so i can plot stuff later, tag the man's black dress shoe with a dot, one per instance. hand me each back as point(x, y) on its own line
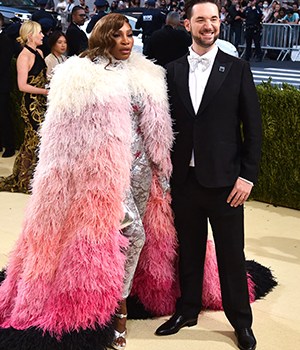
point(175, 323)
point(9, 152)
point(245, 338)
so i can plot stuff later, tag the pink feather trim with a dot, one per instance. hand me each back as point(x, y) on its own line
point(155, 282)
point(211, 293)
point(75, 298)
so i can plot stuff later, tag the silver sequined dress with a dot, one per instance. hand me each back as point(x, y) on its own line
point(136, 199)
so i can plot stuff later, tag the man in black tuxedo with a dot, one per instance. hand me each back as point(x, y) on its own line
point(213, 100)
point(76, 38)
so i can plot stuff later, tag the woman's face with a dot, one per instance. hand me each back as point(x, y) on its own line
point(36, 38)
point(265, 4)
point(60, 46)
point(124, 43)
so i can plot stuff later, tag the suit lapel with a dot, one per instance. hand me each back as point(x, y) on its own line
point(182, 82)
point(218, 74)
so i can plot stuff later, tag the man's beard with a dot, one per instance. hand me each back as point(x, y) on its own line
point(203, 43)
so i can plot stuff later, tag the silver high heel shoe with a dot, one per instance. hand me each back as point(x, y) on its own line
point(119, 342)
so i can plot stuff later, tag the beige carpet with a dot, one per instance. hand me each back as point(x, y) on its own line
point(272, 238)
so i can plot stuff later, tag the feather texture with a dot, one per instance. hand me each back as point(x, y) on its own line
point(66, 271)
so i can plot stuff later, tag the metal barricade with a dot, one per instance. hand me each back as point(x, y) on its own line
point(225, 31)
point(276, 36)
point(284, 38)
point(295, 49)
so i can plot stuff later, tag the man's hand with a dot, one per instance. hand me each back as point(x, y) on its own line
point(240, 193)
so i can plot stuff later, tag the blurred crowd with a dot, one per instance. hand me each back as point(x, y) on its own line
point(57, 15)
point(273, 11)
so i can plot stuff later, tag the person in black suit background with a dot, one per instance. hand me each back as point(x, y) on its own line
point(149, 21)
point(6, 126)
point(168, 43)
point(101, 7)
point(42, 13)
point(253, 17)
point(76, 38)
point(211, 95)
point(236, 23)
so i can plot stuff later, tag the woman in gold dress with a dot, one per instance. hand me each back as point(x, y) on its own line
point(31, 69)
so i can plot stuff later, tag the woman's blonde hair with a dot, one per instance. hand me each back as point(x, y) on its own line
point(102, 40)
point(27, 28)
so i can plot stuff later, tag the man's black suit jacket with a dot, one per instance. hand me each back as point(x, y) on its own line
point(167, 44)
point(76, 39)
point(6, 55)
point(222, 154)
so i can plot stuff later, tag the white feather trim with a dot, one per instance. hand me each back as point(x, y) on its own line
point(79, 82)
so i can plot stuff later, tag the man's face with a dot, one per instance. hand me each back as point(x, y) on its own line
point(79, 17)
point(204, 24)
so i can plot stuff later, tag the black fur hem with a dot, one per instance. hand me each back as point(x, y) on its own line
point(2, 275)
point(262, 277)
point(35, 339)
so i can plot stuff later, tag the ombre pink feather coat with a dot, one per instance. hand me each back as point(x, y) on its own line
point(66, 272)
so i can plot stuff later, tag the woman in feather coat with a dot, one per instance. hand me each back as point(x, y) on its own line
point(105, 145)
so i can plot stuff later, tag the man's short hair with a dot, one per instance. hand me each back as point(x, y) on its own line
point(75, 9)
point(173, 17)
point(190, 3)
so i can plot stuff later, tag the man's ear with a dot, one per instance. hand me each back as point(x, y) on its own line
point(187, 24)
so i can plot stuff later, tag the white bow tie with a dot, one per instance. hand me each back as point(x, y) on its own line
point(194, 61)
